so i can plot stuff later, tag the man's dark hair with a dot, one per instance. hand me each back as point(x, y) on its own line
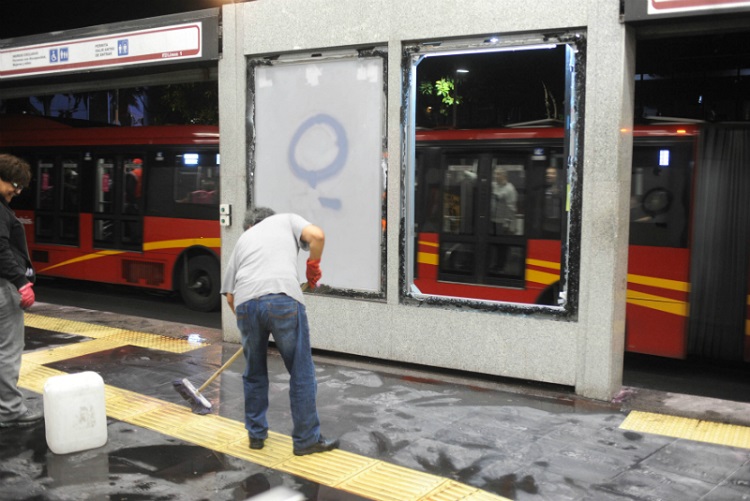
point(14, 170)
point(255, 216)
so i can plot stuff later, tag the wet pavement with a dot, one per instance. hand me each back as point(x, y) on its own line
point(445, 436)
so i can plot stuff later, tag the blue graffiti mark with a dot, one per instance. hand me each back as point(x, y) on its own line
point(313, 177)
point(330, 203)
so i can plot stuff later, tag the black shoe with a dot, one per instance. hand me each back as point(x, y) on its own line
point(28, 418)
point(322, 445)
point(257, 443)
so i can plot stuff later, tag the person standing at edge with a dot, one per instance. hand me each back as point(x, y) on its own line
point(16, 294)
point(263, 291)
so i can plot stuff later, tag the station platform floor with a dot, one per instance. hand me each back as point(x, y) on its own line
point(406, 433)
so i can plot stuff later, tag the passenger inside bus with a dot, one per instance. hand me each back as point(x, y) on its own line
point(133, 186)
point(132, 233)
point(503, 204)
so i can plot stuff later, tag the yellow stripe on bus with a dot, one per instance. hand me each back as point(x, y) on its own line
point(427, 258)
point(543, 264)
point(149, 246)
point(87, 257)
point(181, 244)
point(659, 303)
point(429, 244)
point(541, 277)
point(663, 283)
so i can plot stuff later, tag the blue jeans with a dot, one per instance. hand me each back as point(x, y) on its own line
point(286, 319)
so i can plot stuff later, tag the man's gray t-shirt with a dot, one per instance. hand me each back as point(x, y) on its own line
point(264, 261)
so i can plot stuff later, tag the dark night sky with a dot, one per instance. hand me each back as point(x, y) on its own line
point(32, 17)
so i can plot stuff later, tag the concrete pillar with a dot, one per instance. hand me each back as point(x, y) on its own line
point(232, 113)
point(606, 200)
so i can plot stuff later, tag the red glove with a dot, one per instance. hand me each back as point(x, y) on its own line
point(313, 272)
point(27, 296)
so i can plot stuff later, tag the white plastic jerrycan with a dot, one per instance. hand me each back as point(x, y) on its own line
point(74, 413)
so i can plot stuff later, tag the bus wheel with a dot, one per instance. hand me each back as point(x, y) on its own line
point(201, 284)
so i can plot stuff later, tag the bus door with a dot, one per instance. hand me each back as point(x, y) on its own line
point(482, 232)
point(118, 207)
point(659, 258)
point(58, 199)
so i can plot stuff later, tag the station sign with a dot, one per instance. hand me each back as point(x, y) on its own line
point(640, 10)
point(110, 47)
point(137, 47)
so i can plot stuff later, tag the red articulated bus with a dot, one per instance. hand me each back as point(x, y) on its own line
point(122, 205)
point(492, 205)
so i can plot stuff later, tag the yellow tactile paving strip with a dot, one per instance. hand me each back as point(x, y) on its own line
point(339, 469)
point(687, 428)
point(121, 336)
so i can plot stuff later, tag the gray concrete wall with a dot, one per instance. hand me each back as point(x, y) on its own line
point(586, 353)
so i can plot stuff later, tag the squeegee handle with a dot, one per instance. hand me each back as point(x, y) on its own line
point(221, 369)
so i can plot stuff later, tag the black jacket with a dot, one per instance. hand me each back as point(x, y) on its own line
point(14, 254)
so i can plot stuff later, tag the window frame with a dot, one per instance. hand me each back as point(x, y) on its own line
point(575, 64)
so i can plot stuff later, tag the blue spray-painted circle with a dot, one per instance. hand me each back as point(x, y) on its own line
point(313, 177)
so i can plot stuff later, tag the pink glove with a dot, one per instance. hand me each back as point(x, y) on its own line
point(27, 296)
point(313, 272)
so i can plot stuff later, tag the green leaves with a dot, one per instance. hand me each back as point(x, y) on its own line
point(445, 89)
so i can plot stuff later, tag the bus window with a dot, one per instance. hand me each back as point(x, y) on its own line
point(428, 189)
point(70, 186)
point(504, 199)
point(459, 197)
point(482, 232)
point(552, 202)
point(133, 185)
point(45, 215)
point(46, 186)
point(104, 195)
point(659, 194)
point(505, 255)
point(132, 194)
point(117, 193)
point(196, 179)
point(69, 201)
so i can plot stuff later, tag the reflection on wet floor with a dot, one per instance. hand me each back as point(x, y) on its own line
point(166, 470)
point(37, 339)
point(122, 469)
point(472, 440)
point(150, 372)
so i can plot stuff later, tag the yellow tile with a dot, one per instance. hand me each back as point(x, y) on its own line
point(34, 380)
point(387, 482)
point(164, 418)
point(687, 428)
point(450, 490)
point(277, 449)
point(329, 468)
point(71, 351)
point(210, 431)
point(124, 405)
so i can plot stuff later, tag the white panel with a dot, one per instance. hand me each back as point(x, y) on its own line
point(319, 153)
